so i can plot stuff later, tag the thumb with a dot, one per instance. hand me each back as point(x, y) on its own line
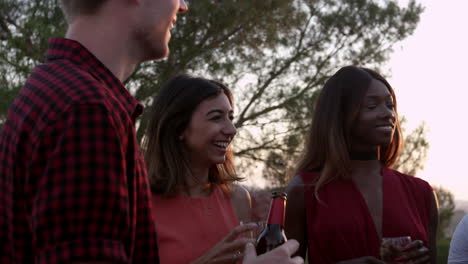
point(249, 253)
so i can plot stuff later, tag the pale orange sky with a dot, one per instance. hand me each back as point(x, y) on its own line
point(427, 71)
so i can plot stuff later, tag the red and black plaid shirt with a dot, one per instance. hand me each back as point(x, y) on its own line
point(73, 185)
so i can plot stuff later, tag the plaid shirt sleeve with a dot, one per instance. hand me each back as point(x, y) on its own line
point(80, 209)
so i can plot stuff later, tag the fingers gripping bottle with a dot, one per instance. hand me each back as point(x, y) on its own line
point(272, 235)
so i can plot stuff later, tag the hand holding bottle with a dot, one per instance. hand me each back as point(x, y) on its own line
point(230, 249)
point(281, 254)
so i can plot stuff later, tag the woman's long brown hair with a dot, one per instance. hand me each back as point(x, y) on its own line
point(329, 138)
point(165, 154)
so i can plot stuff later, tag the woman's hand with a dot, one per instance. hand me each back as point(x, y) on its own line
point(281, 254)
point(416, 253)
point(362, 260)
point(230, 249)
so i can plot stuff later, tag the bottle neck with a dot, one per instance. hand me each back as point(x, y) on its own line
point(276, 215)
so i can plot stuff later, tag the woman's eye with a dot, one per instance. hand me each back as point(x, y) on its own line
point(371, 107)
point(231, 117)
point(214, 118)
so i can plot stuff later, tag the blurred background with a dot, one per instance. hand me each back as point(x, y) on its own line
point(275, 55)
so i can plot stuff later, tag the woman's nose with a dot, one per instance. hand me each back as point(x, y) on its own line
point(387, 112)
point(183, 7)
point(230, 128)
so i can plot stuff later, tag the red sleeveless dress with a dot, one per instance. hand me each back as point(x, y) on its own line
point(187, 227)
point(341, 228)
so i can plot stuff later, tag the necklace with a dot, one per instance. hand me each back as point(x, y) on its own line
point(366, 155)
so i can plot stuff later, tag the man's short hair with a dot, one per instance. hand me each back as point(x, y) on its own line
point(72, 8)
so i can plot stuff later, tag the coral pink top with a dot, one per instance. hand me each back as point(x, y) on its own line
point(188, 227)
point(342, 228)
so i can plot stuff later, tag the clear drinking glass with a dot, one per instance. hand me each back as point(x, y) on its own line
point(254, 233)
point(391, 247)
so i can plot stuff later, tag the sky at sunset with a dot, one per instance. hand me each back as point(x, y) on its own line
point(428, 71)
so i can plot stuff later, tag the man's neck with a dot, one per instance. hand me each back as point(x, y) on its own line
point(104, 42)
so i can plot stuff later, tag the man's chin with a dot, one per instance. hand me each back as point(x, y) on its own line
point(157, 54)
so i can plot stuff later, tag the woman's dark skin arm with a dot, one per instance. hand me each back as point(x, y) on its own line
point(295, 222)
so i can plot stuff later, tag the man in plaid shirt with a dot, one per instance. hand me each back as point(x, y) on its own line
point(73, 185)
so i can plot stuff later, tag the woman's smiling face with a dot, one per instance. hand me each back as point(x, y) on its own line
point(375, 124)
point(210, 131)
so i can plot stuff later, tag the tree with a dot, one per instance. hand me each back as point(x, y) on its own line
point(25, 26)
point(274, 54)
point(414, 153)
point(446, 210)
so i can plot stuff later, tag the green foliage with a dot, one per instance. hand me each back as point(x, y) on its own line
point(222, 40)
point(446, 211)
point(274, 54)
point(443, 246)
point(414, 151)
point(25, 27)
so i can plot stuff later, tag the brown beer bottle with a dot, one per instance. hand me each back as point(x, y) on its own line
point(272, 235)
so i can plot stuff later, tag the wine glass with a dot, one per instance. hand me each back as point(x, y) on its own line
point(391, 247)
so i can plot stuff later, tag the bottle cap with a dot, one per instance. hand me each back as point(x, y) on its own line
point(277, 194)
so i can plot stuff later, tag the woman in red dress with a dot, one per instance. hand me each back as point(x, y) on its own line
point(345, 197)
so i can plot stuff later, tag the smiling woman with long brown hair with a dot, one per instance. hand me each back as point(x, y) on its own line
point(345, 197)
point(197, 206)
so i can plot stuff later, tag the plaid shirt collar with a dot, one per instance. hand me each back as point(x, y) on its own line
point(61, 48)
